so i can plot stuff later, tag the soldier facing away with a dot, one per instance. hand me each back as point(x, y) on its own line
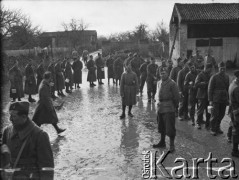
point(110, 65)
point(40, 71)
point(16, 79)
point(100, 69)
point(143, 74)
point(91, 76)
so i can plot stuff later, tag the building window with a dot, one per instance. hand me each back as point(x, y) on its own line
point(209, 42)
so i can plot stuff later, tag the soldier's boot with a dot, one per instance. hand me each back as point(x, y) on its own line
point(235, 151)
point(193, 121)
point(58, 130)
point(19, 99)
point(122, 116)
point(113, 81)
point(62, 94)
point(153, 98)
point(30, 99)
point(14, 99)
point(149, 96)
point(172, 147)
point(161, 143)
point(129, 113)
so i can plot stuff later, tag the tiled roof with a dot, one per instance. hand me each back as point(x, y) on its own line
point(223, 12)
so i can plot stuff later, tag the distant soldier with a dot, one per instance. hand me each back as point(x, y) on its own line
point(100, 68)
point(68, 77)
point(128, 90)
point(85, 55)
point(91, 77)
point(198, 60)
point(201, 84)
point(136, 62)
point(234, 104)
point(29, 146)
point(143, 74)
point(175, 70)
point(189, 84)
point(51, 68)
point(183, 92)
point(128, 59)
point(209, 59)
point(118, 69)
point(110, 64)
point(40, 71)
point(218, 97)
point(77, 67)
point(170, 65)
point(45, 112)
point(16, 79)
point(168, 101)
point(158, 73)
point(30, 82)
point(151, 80)
point(60, 79)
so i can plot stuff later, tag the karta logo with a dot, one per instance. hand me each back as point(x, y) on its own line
point(154, 168)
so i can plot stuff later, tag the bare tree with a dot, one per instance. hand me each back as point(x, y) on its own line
point(75, 25)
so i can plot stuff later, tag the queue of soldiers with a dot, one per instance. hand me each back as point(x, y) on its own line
point(193, 83)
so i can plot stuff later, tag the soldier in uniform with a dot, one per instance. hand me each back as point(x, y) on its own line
point(110, 64)
point(151, 80)
point(136, 62)
point(16, 79)
point(143, 74)
point(201, 84)
point(45, 112)
point(128, 90)
point(68, 77)
point(183, 92)
point(209, 59)
point(163, 65)
point(189, 84)
point(118, 69)
point(60, 80)
point(218, 98)
point(168, 101)
point(36, 151)
point(128, 60)
point(91, 77)
point(234, 104)
point(77, 67)
point(30, 82)
point(170, 65)
point(51, 68)
point(175, 70)
point(40, 71)
point(100, 69)
point(85, 56)
point(198, 61)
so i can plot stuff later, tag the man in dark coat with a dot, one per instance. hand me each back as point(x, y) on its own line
point(128, 60)
point(30, 82)
point(198, 61)
point(151, 80)
point(77, 72)
point(175, 70)
point(189, 84)
point(218, 98)
point(209, 59)
point(136, 62)
point(85, 56)
point(110, 64)
point(16, 79)
point(168, 101)
point(51, 68)
point(183, 92)
point(91, 77)
point(68, 77)
point(143, 75)
point(60, 79)
point(234, 104)
point(45, 112)
point(36, 154)
point(40, 71)
point(118, 67)
point(201, 84)
point(170, 65)
point(100, 68)
point(128, 90)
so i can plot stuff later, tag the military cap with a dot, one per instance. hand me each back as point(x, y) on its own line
point(20, 106)
point(179, 59)
point(209, 65)
point(164, 64)
point(163, 69)
point(236, 73)
point(221, 65)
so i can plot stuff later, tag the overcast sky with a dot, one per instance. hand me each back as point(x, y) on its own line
point(104, 16)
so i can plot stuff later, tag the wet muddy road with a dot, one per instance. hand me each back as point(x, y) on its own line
point(98, 145)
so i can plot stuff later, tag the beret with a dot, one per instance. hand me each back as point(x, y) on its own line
point(20, 106)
